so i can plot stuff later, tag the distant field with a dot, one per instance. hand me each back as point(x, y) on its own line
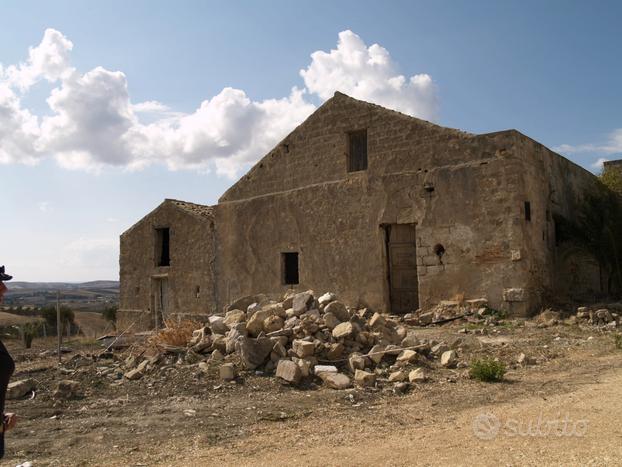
point(87, 296)
point(8, 319)
point(92, 324)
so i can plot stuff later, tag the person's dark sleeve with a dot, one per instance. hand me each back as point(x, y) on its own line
point(7, 367)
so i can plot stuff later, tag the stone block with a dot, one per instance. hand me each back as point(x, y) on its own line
point(303, 348)
point(514, 294)
point(227, 372)
point(343, 330)
point(18, 389)
point(335, 380)
point(288, 371)
point(449, 359)
point(418, 376)
point(364, 378)
point(338, 309)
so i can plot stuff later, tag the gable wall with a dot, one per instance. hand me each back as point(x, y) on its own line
point(317, 150)
point(306, 201)
point(192, 263)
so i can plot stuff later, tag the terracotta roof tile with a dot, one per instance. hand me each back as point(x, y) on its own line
point(193, 208)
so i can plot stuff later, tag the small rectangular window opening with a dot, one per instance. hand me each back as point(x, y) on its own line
point(357, 151)
point(162, 247)
point(527, 211)
point(290, 268)
point(197, 292)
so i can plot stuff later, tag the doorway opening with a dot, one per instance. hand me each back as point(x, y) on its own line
point(401, 254)
point(160, 300)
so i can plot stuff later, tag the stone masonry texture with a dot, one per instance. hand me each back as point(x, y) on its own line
point(467, 193)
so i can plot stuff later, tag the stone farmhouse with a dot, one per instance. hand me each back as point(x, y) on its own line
point(386, 210)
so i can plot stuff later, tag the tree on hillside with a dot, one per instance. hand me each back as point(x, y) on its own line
point(66, 316)
point(110, 314)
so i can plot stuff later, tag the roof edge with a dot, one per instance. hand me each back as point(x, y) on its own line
point(519, 134)
point(173, 202)
point(338, 95)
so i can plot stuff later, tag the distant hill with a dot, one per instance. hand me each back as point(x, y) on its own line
point(85, 296)
point(63, 285)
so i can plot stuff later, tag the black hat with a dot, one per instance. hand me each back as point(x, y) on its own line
point(3, 276)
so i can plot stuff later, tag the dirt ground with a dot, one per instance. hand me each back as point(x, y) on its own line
point(562, 410)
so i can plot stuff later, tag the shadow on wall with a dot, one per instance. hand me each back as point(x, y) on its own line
point(589, 248)
point(579, 276)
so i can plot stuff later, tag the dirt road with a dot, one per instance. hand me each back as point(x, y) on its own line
point(564, 410)
point(578, 427)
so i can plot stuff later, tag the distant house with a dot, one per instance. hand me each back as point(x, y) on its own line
point(386, 210)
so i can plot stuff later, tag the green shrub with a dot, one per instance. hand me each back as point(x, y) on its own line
point(29, 331)
point(487, 369)
point(499, 314)
point(617, 339)
point(66, 317)
point(110, 314)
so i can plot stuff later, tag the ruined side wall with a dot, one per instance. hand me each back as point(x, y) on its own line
point(556, 187)
point(192, 256)
point(474, 213)
point(333, 218)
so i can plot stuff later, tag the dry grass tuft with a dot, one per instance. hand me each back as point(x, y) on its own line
point(176, 333)
point(458, 297)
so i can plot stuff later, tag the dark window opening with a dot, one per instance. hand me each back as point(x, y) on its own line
point(439, 250)
point(290, 268)
point(197, 292)
point(357, 151)
point(527, 211)
point(162, 247)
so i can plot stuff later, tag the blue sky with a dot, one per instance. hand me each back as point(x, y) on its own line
point(206, 88)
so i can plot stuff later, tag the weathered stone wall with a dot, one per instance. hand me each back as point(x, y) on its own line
point(300, 197)
point(192, 259)
point(464, 192)
point(555, 187)
point(316, 151)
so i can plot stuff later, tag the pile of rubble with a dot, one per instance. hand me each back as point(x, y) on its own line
point(605, 317)
point(302, 337)
point(599, 317)
point(450, 310)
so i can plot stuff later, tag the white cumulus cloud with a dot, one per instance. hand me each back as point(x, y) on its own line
point(370, 74)
point(93, 122)
point(150, 107)
point(92, 115)
point(612, 145)
point(49, 60)
point(600, 163)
